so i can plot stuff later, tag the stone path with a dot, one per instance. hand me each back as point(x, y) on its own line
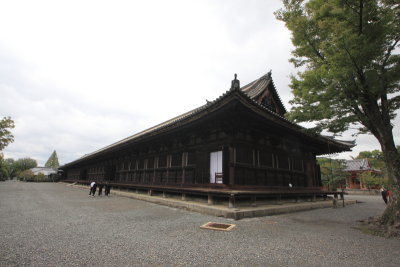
point(58, 225)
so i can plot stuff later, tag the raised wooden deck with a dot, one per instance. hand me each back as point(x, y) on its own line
point(232, 193)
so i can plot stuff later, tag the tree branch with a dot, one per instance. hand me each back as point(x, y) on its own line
point(351, 7)
point(360, 14)
point(316, 51)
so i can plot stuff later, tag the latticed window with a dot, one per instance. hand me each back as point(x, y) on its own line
point(266, 158)
point(150, 163)
point(191, 158)
point(162, 161)
point(298, 164)
point(283, 162)
point(244, 155)
point(176, 160)
point(141, 164)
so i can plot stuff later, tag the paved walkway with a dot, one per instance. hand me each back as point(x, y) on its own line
point(58, 225)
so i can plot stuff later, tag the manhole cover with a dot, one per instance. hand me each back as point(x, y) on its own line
point(218, 226)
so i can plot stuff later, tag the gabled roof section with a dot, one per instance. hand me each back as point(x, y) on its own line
point(263, 91)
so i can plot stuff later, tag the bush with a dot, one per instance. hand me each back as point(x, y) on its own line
point(370, 180)
point(26, 175)
point(40, 177)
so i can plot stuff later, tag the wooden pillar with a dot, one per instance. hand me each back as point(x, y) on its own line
point(210, 200)
point(232, 203)
point(254, 201)
point(279, 199)
point(231, 163)
point(335, 199)
point(184, 164)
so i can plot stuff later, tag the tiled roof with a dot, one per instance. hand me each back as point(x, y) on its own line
point(357, 165)
point(249, 92)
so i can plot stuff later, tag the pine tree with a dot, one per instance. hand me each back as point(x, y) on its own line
point(52, 162)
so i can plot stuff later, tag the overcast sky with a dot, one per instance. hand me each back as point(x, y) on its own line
point(76, 76)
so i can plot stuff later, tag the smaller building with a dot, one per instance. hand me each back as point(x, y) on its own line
point(354, 168)
point(49, 173)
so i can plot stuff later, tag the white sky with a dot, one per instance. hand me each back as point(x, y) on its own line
point(76, 76)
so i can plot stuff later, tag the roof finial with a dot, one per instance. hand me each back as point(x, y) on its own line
point(235, 83)
point(269, 73)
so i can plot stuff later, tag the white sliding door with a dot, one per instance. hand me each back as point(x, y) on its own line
point(216, 167)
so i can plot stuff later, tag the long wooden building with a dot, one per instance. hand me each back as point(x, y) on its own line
point(239, 141)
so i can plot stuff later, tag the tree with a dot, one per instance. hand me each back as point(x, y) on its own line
point(332, 172)
point(3, 173)
point(5, 135)
point(26, 175)
point(52, 162)
point(9, 168)
point(24, 164)
point(370, 180)
point(350, 72)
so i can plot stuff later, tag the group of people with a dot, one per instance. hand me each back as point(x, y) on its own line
point(93, 188)
point(385, 194)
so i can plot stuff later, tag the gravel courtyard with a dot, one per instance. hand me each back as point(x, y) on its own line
point(58, 225)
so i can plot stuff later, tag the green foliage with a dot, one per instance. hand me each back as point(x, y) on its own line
point(23, 164)
point(3, 174)
point(26, 175)
point(10, 168)
point(5, 135)
point(348, 51)
point(52, 162)
point(39, 178)
point(332, 172)
point(370, 180)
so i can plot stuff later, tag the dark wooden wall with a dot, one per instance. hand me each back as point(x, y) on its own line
point(249, 158)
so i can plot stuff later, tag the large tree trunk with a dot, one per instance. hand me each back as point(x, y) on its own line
point(391, 215)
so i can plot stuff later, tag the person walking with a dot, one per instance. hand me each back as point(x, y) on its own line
point(107, 189)
point(91, 188)
point(100, 189)
point(384, 194)
point(94, 188)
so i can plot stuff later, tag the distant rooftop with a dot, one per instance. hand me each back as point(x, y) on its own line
point(45, 170)
point(358, 165)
